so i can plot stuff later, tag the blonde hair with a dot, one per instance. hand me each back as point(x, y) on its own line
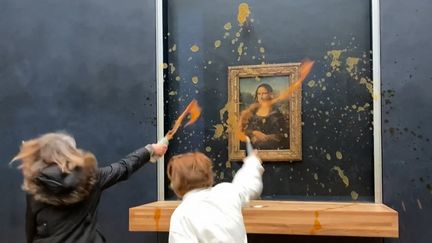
point(189, 171)
point(60, 149)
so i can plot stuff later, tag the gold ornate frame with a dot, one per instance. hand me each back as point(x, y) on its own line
point(235, 73)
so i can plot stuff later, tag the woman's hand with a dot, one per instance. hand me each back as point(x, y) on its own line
point(258, 136)
point(159, 149)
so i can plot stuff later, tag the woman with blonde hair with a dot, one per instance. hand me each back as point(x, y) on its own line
point(211, 213)
point(64, 186)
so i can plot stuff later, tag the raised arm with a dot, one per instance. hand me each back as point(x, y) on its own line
point(123, 169)
point(248, 179)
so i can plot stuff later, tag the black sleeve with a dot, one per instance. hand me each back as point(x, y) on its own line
point(30, 221)
point(123, 169)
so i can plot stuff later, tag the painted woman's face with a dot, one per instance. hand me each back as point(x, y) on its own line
point(263, 95)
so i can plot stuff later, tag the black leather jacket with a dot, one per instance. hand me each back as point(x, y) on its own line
point(75, 223)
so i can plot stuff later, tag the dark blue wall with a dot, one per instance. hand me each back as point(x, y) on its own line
point(406, 50)
point(86, 67)
point(294, 30)
point(289, 31)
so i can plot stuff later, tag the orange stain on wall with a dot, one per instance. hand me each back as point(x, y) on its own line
point(243, 13)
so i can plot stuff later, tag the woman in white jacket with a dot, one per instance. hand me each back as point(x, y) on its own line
point(211, 214)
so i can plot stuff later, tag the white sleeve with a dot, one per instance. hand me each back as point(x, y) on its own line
point(248, 180)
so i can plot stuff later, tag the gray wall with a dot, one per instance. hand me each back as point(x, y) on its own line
point(86, 67)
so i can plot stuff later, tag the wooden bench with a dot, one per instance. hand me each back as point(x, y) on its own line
point(288, 217)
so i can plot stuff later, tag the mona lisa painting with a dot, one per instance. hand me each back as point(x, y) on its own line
point(272, 123)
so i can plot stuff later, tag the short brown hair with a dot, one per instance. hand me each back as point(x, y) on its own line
point(189, 171)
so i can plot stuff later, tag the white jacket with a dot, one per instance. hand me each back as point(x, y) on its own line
point(215, 214)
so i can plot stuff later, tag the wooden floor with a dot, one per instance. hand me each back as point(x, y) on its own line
point(288, 217)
